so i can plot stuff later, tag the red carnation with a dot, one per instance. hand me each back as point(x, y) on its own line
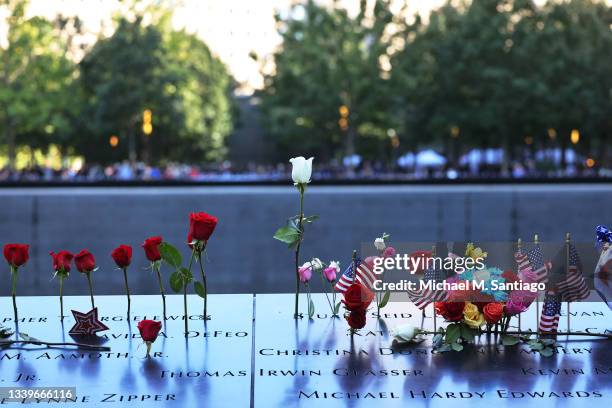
point(450, 311)
point(493, 312)
point(151, 248)
point(201, 225)
point(357, 297)
point(61, 260)
point(510, 276)
point(122, 255)
point(16, 254)
point(85, 261)
point(356, 320)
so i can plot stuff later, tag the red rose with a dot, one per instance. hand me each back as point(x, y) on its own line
point(16, 254)
point(493, 312)
point(122, 255)
point(357, 319)
point(150, 246)
point(357, 297)
point(61, 260)
point(149, 329)
point(201, 225)
point(85, 261)
point(451, 311)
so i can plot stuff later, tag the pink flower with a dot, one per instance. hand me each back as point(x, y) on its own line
point(331, 271)
point(305, 272)
point(519, 301)
point(389, 252)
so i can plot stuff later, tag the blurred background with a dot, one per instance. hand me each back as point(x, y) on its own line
point(117, 118)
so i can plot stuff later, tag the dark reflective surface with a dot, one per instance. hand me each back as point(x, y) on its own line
point(316, 363)
point(210, 368)
point(304, 363)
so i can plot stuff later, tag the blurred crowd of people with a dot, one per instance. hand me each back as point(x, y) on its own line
point(227, 172)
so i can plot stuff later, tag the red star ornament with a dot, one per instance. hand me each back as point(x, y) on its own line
point(87, 323)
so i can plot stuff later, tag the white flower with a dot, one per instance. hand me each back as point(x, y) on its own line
point(316, 264)
point(379, 243)
point(335, 265)
point(302, 170)
point(404, 333)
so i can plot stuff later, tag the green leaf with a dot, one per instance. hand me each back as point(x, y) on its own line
point(176, 281)
point(453, 332)
point(537, 346)
point(5, 332)
point(199, 289)
point(467, 333)
point(170, 254)
point(546, 352)
point(186, 275)
point(385, 299)
point(444, 348)
point(289, 235)
point(437, 340)
point(457, 346)
point(311, 309)
point(337, 308)
point(510, 340)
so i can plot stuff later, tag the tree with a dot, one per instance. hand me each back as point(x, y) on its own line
point(329, 91)
point(171, 73)
point(38, 98)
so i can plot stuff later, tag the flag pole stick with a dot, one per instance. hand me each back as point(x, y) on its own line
point(519, 245)
point(433, 304)
point(567, 249)
point(536, 241)
point(354, 264)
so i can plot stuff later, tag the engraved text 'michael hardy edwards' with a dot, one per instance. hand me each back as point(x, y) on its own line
point(449, 395)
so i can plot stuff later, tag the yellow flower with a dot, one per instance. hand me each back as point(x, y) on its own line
point(474, 252)
point(472, 316)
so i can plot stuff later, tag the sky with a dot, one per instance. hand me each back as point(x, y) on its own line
point(231, 28)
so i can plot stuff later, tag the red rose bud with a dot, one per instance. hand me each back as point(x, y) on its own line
point(61, 260)
point(149, 330)
point(85, 261)
point(450, 311)
point(356, 320)
point(151, 248)
point(122, 255)
point(493, 312)
point(16, 254)
point(357, 297)
point(201, 225)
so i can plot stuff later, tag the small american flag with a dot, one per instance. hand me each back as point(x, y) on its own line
point(551, 310)
point(573, 287)
point(538, 266)
point(522, 260)
point(364, 276)
point(423, 297)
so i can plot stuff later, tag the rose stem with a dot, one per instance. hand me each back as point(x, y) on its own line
point(297, 251)
point(127, 291)
point(157, 267)
point(61, 279)
point(203, 280)
point(14, 289)
point(193, 251)
point(90, 289)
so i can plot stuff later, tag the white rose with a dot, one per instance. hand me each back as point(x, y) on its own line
point(404, 333)
point(335, 265)
point(379, 243)
point(317, 264)
point(302, 170)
